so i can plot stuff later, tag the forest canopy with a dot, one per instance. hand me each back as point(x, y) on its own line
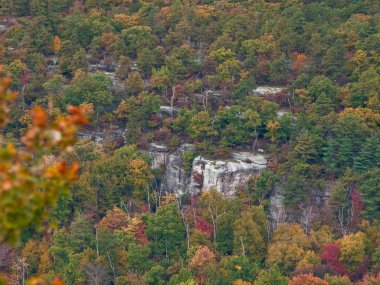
point(117, 116)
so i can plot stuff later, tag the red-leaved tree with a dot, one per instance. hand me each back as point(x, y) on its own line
point(204, 227)
point(357, 207)
point(330, 255)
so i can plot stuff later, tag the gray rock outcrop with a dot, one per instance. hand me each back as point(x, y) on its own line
point(159, 155)
point(176, 179)
point(227, 176)
point(169, 111)
point(277, 212)
point(268, 90)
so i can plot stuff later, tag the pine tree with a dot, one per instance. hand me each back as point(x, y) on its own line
point(305, 149)
point(369, 155)
point(324, 104)
point(82, 233)
point(346, 153)
point(167, 231)
point(369, 186)
point(334, 62)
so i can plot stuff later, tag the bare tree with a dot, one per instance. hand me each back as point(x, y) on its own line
point(215, 207)
point(205, 98)
point(343, 220)
point(306, 218)
point(96, 273)
point(345, 215)
point(21, 267)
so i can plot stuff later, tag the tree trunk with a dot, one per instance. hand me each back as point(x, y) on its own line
point(242, 246)
point(97, 241)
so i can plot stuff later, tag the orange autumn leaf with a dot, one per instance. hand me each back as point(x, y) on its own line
point(369, 116)
point(39, 116)
point(307, 279)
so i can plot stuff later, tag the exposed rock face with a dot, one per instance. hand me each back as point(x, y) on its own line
point(159, 155)
point(3, 29)
point(282, 112)
point(308, 211)
point(112, 134)
point(176, 179)
point(101, 67)
point(226, 176)
point(277, 212)
point(167, 110)
point(268, 90)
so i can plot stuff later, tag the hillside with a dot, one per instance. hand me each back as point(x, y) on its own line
point(190, 142)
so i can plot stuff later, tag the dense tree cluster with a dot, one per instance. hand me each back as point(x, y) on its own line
point(185, 71)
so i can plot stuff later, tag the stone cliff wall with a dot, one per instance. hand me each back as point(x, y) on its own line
point(226, 176)
point(176, 179)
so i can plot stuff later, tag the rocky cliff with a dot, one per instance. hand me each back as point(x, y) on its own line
point(226, 176)
point(176, 178)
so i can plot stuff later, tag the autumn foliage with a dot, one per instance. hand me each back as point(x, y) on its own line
point(231, 142)
point(7, 96)
point(299, 61)
point(330, 256)
point(202, 258)
point(29, 186)
point(204, 227)
point(307, 279)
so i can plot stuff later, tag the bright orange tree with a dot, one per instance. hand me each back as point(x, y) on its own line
point(29, 186)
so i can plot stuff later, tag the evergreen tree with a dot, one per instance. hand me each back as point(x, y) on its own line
point(369, 155)
point(348, 136)
point(82, 233)
point(369, 186)
point(166, 232)
point(334, 61)
point(305, 149)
